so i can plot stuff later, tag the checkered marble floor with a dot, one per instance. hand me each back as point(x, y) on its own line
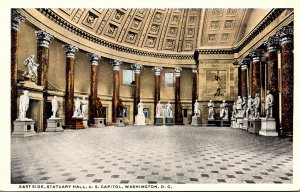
point(152, 154)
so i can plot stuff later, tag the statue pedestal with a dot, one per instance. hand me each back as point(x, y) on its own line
point(120, 122)
point(233, 123)
point(268, 127)
point(76, 123)
point(99, 123)
point(245, 124)
point(169, 121)
point(54, 125)
point(85, 123)
point(254, 126)
point(24, 128)
point(211, 122)
point(224, 123)
point(140, 120)
point(196, 121)
point(239, 122)
point(159, 121)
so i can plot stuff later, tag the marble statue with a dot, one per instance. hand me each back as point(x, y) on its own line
point(54, 104)
point(83, 107)
point(120, 108)
point(234, 110)
point(23, 106)
point(224, 110)
point(159, 109)
point(239, 102)
point(256, 104)
point(244, 105)
point(211, 111)
point(196, 109)
point(77, 111)
point(99, 108)
point(169, 109)
point(249, 110)
point(140, 117)
point(32, 67)
point(140, 108)
point(269, 104)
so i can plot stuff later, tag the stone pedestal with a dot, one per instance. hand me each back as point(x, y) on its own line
point(85, 123)
point(159, 121)
point(211, 122)
point(245, 124)
point(120, 122)
point(196, 121)
point(254, 126)
point(23, 128)
point(99, 123)
point(140, 120)
point(239, 122)
point(268, 127)
point(233, 123)
point(169, 121)
point(76, 123)
point(54, 125)
point(225, 123)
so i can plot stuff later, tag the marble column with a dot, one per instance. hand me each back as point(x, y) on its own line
point(287, 85)
point(262, 85)
point(244, 63)
point(194, 88)
point(178, 111)
point(43, 42)
point(71, 51)
point(137, 72)
point(239, 80)
point(94, 60)
point(16, 19)
point(157, 71)
point(272, 45)
point(116, 89)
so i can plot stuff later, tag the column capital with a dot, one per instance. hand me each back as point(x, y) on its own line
point(244, 63)
point(116, 65)
point(70, 50)
point(94, 58)
point(43, 38)
point(256, 54)
point(286, 34)
point(16, 19)
point(157, 70)
point(137, 68)
point(272, 43)
point(194, 70)
point(177, 71)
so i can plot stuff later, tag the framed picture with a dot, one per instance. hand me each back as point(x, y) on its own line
point(169, 79)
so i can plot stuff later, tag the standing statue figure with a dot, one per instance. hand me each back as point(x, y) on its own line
point(269, 104)
point(140, 108)
point(224, 110)
point(196, 109)
point(234, 110)
point(255, 104)
point(54, 103)
point(77, 111)
point(31, 66)
point(159, 109)
point(249, 110)
point(244, 105)
point(99, 108)
point(211, 111)
point(169, 109)
point(120, 108)
point(83, 107)
point(239, 102)
point(23, 106)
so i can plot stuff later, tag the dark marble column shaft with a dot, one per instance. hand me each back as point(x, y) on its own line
point(194, 88)
point(157, 71)
point(137, 72)
point(116, 89)
point(178, 112)
point(244, 63)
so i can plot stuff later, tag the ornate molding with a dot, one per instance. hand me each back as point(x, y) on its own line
point(116, 65)
point(256, 55)
point(70, 50)
point(43, 38)
point(177, 71)
point(16, 19)
point(94, 58)
point(137, 68)
point(157, 70)
point(216, 51)
point(272, 43)
point(244, 63)
point(286, 34)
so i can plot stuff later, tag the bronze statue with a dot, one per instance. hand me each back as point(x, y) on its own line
point(99, 109)
point(120, 108)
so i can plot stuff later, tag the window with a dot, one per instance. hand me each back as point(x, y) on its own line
point(128, 77)
point(124, 112)
point(185, 112)
point(146, 112)
point(169, 79)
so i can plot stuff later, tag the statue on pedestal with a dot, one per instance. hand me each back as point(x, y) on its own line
point(120, 109)
point(99, 109)
point(32, 67)
point(83, 107)
point(159, 109)
point(211, 111)
point(169, 109)
point(140, 117)
point(234, 110)
point(23, 106)
point(244, 105)
point(140, 108)
point(239, 102)
point(224, 110)
point(269, 105)
point(54, 103)
point(196, 109)
point(77, 111)
point(249, 110)
point(256, 104)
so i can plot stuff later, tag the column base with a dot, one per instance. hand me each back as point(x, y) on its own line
point(76, 123)
point(268, 127)
point(158, 121)
point(24, 128)
point(120, 122)
point(54, 125)
point(254, 126)
point(196, 121)
point(169, 121)
point(99, 123)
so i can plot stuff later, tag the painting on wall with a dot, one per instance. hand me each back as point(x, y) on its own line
point(169, 79)
point(216, 82)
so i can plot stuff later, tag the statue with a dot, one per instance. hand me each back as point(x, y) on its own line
point(179, 110)
point(255, 104)
point(169, 109)
point(83, 107)
point(159, 109)
point(196, 109)
point(120, 108)
point(211, 110)
point(23, 106)
point(32, 67)
point(244, 105)
point(99, 108)
point(140, 108)
point(77, 111)
point(224, 110)
point(234, 110)
point(249, 110)
point(269, 104)
point(54, 103)
point(239, 102)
